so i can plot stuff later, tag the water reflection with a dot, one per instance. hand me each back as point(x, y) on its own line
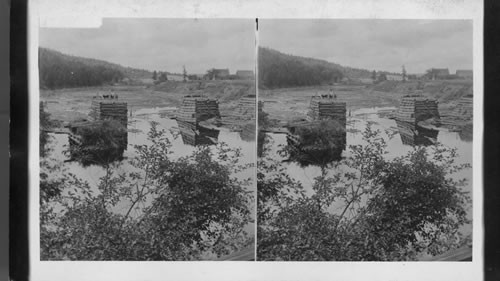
point(194, 135)
point(414, 135)
point(465, 133)
point(247, 132)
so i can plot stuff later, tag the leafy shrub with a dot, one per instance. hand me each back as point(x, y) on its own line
point(189, 208)
point(395, 209)
point(102, 142)
point(316, 143)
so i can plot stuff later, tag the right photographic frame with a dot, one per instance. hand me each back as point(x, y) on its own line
point(365, 140)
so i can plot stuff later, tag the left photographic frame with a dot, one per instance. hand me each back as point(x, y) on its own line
point(147, 140)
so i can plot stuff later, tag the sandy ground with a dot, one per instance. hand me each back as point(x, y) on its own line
point(291, 103)
point(281, 104)
point(67, 105)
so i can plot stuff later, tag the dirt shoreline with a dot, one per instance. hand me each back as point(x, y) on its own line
point(68, 105)
point(287, 104)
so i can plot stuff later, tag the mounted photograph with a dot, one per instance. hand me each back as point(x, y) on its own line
point(365, 140)
point(148, 140)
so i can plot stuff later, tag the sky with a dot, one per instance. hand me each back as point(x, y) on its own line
point(161, 44)
point(374, 44)
point(201, 44)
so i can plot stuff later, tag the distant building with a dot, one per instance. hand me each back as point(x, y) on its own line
point(175, 77)
point(244, 74)
point(466, 74)
point(220, 74)
point(394, 77)
point(438, 73)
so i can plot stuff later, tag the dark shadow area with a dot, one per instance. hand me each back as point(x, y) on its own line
point(194, 135)
point(316, 142)
point(414, 135)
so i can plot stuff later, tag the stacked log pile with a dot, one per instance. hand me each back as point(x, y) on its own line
point(464, 109)
point(414, 109)
point(326, 108)
point(109, 109)
point(245, 110)
point(461, 116)
point(198, 108)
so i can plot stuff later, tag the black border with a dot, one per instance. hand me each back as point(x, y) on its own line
point(4, 138)
point(491, 145)
point(18, 208)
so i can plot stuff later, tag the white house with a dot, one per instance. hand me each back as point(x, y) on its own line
point(394, 77)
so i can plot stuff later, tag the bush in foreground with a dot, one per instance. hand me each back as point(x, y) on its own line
point(395, 209)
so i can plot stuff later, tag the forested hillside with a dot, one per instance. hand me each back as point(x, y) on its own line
point(58, 70)
point(278, 70)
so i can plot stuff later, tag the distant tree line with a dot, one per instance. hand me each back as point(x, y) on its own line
point(159, 76)
point(58, 70)
point(61, 71)
point(278, 70)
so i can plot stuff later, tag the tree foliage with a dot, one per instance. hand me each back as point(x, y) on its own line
point(61, 71)
point(58, 70)
point(101, 142)
point(317, 143)
point(162, 77)
point(163, 208)
point(278, 70)
point(395, 209)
